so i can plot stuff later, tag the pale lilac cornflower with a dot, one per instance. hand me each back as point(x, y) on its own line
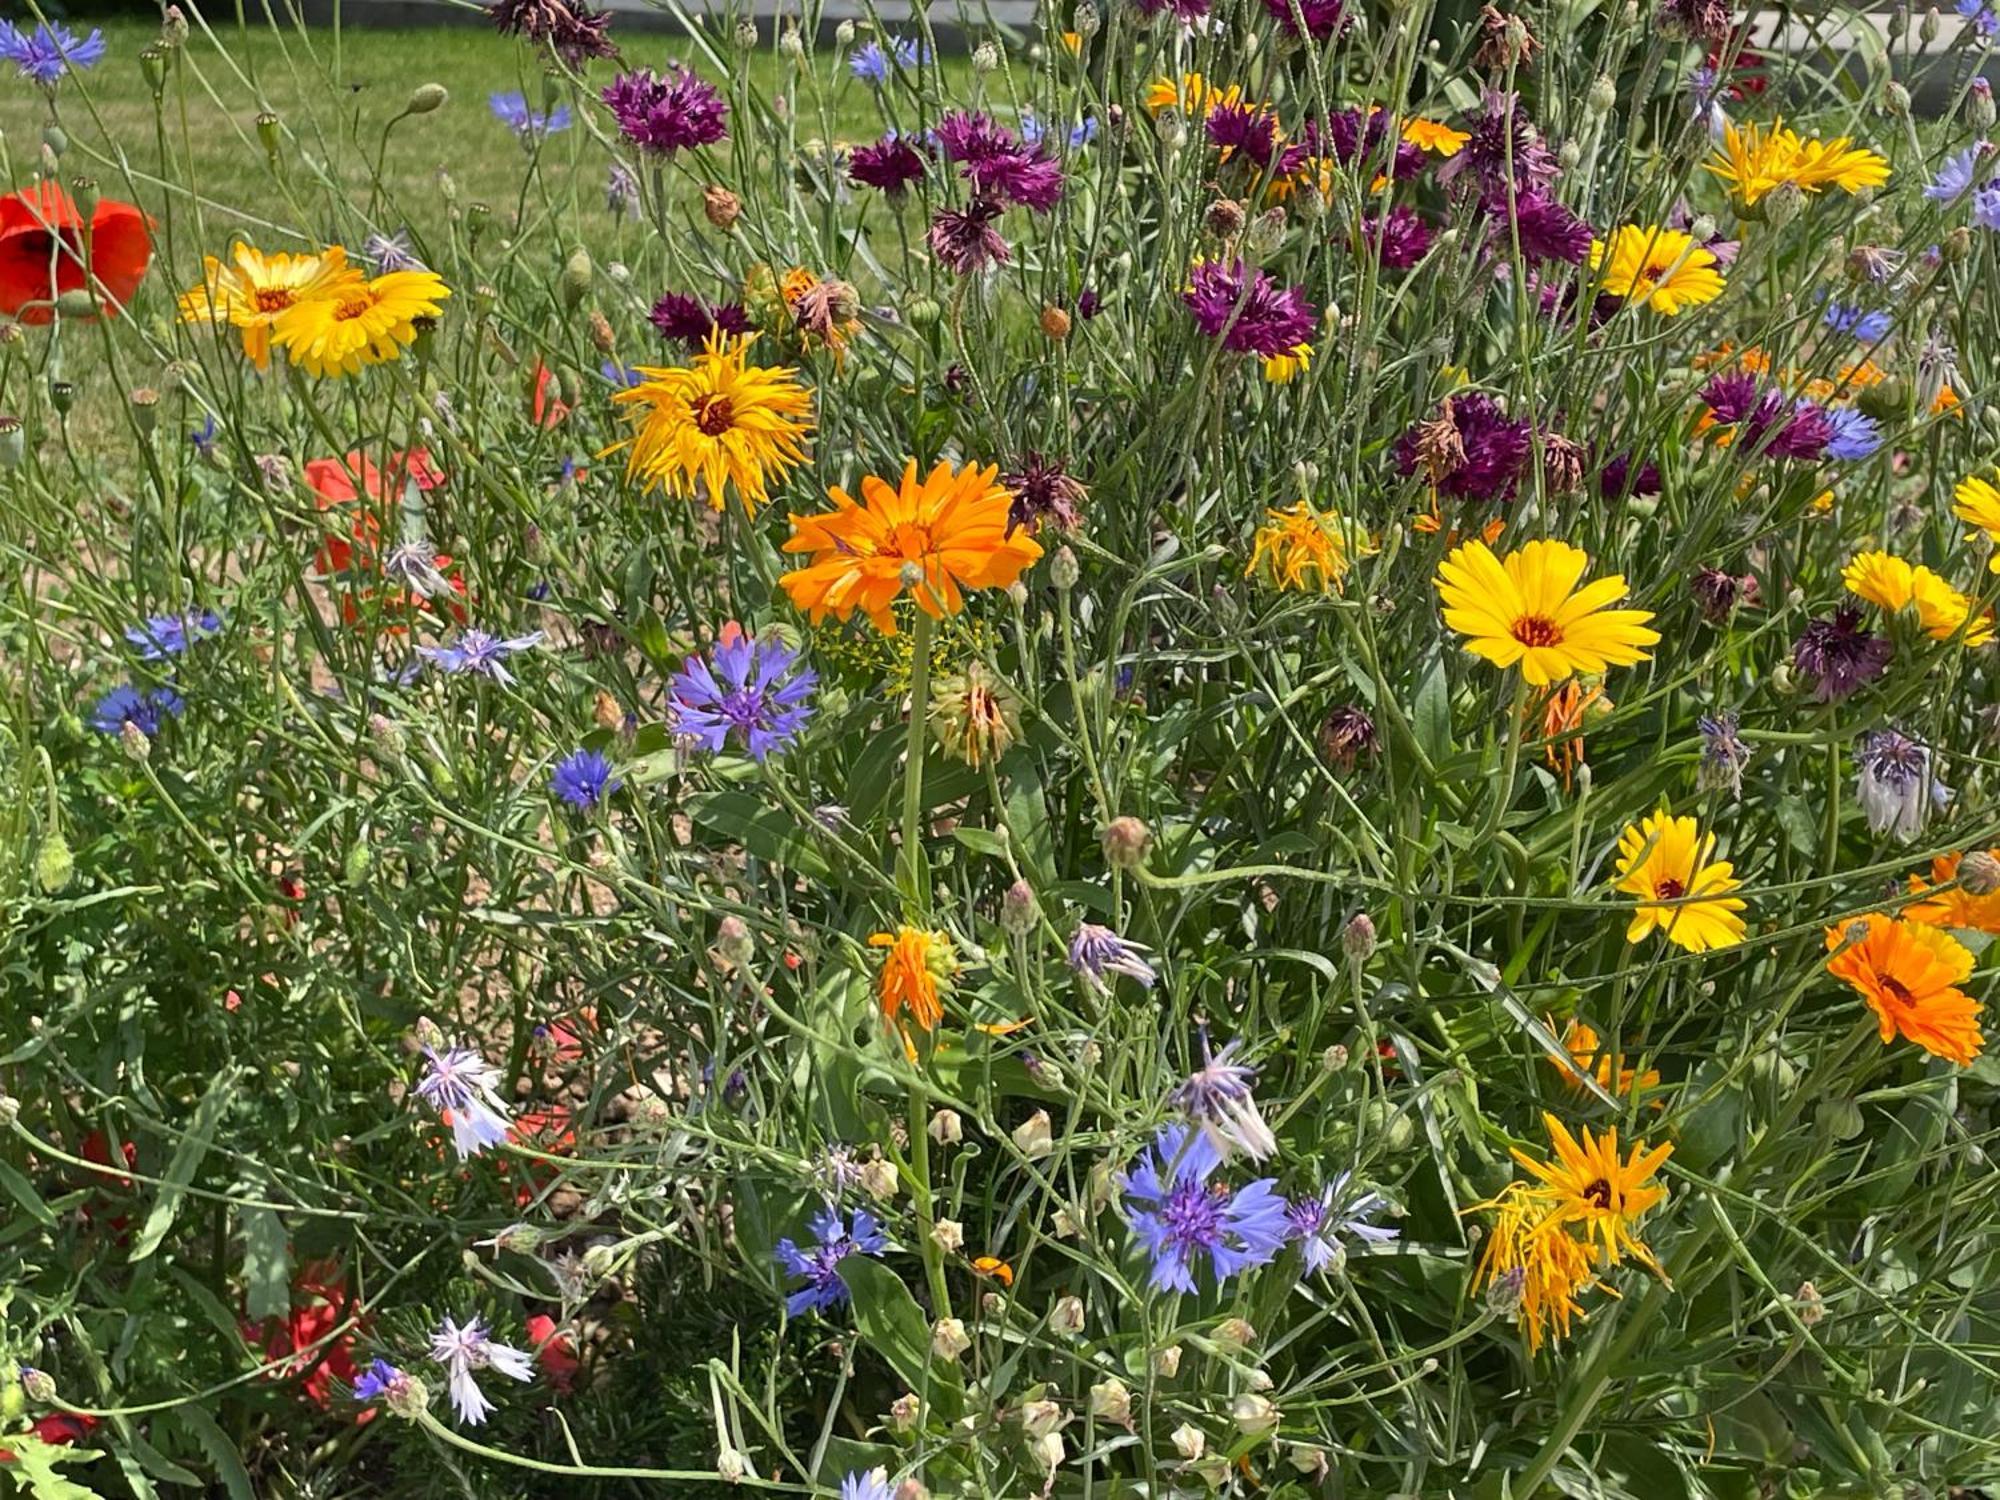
point(1219, 1097)
point(160, 637)
point(512, 110)
point(621, 192)
point(871, 61)
point(1180, 1215)
point(1937, 367)
point(477, 652)
point(583, 778)
point(1986, 206)
point(413, 565)
point(871, 1484)
point(1955, 174)
point(752, 693)
point(50, 50)
point(1705, 84)
point(1723, 754)
point(1896, 783)
point(1985, 24)
point(819, 1265)
point(837, 1172)
point(1096, 951)
point(464, 1089)
point(466, 1348)
point(1319, 1224)
point(391, 252)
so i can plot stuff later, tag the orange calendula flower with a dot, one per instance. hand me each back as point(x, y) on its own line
point(1945, 903)
point(917, 964)
point(1682, 891)
point(1303, 549)
point(1909, 974)
point(1592, 1187)
point(1587, 1058)
point(1528, 608)
point(1435, 136)
point(994, 1268)
point(1564, 712)
point(936, 536)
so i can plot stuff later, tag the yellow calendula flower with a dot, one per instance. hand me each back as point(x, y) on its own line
point(1435, 136)
point(1977, 502)
point(358, 323)
point(1682, 891)
point(1663, 268)
point(1602, 1194)
point(1193, 95)
point(1283, 369)
point(722, 421)
point(1895, 584)
point(250, 290)
point(1303, 549)
point(1528, 608)
point(1753, 163)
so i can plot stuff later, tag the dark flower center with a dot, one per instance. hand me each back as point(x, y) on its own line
point(270, 299)
point(1598, 1194)
point(1669, 889)
point(1897, 988)
point(353, 308)
point(1537, 630)
point(714, 415)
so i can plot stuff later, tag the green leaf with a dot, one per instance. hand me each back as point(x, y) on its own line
point(1430, 718)
point(185, 1162)
point(267, 1265)
point(34, 1467)
point(23, 1193)
point(218, 1449)
point(766, 831)
point(890, 1322)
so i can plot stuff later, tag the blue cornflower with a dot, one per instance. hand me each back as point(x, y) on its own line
point(1179, 1215)
point(127, 705)
point(819, 1265)
point(871, 1484)
point(583, 778)
point(476, 651)
point(1318, 1223)
point(1080, 135)
point(1220, 1097)
point(203, 437)
point(1986, 206)
point(870, 62)
point(375, 1382)
point(50, 50)
point(753, 692)
point(1863, 325)
point(512, 111)
point(458, 1082)
point(619, 375)
point(1955, 174)
point(1850, 434)
point(164, 636)
point(1984, 22)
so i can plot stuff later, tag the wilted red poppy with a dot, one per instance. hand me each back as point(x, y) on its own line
point(549, 407)
point(43, 251)
point(320, 1304)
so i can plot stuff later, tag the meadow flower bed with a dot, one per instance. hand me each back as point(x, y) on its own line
point(1244, 746)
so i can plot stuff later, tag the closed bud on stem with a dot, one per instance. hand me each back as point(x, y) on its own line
point(1357, 938)
point(145, 409)
point(76, 303)
point(720, 206)
point(843, 34)
point(13, 443)
point(54, 864)
point(1019, 910)
point(1063, 569)
point(746, 34)
point(1603, 95)
point(946, 1128)
point(985, 57)
point(949, 1339)
point(1979, 872)
point(426, 97)
point(1253, 1414)
point(576, 273)
point(267, 133)
point(1125, 842)
point(1896, 99)
point(1782, 204)
point(62, 396)
point(38, 1385)
point(54, 142)
point(1956, 246)
point(1928, 28)
point(1979, 112)
point(730, 1466)
point(153, 68)
point(137, 747)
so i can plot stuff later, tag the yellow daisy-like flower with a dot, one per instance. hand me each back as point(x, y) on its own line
point(359, 323)
point(252, 289)
point(1303, 549)
point(1664, 268)
point(1193, 95)
point(1527, 608)
point(1592, 1187)
point(1551, 1264)
point(1435, 136)
point(722, 421)
point(1283, 369)
point(1890, 581)
point(1977, 502)
point(1753, 163)
point(1682, 892)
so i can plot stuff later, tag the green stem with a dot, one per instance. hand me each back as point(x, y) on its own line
point(1503, 792)
point(910, 858)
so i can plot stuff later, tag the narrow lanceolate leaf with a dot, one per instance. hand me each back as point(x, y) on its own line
point(185, 1162)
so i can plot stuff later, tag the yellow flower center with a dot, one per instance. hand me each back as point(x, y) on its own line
point(1537, 630)
point(271, 299)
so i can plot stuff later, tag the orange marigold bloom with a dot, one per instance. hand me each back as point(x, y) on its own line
point(1588, 1057)
point(916, 963)
point(935, 536)
point(1909, 974)
point(993, 1266)
point(1945, 904)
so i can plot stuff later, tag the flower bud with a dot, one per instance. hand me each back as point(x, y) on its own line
point(137, 747)
point(946, 1128)
point(426, 97)
point(731, 1466)
point(791, 43)
point(1503, 1293)
point(733, 942)
point(985, 57)
point(576, 278)
point(1018, 908)
point(903, 1412)
point(922, 313)
point(1035, 1138)
point(1066, 1317)
point(62, 395)
point(407, 1397)
point(949, 1235)
point(1307, 1460)
point(912, 1488)
point(746, 34)
point(949, 1339)
point(1125, 842)
point(1357, 938)
point(13, 443)
point(1603, 95)
point(1896, 100)
point(38, 1385)
point(1979, 112)
point(1568, 154)
point(1841, 1117)
point(267, 133)
point(1063, 569)
point(878, 1180)
point(1956, 246)
point(843, 34)
point(1055, 323)
point(1234, 1335)
point(1189, 1441)
point(1979, 872)
point(1929, 26)
point(1782, 204)
point(1224, 219)
point(1810, 1305)
point(720, 206)
point(360, 858)
point(1252, 1414)
point(54, 864)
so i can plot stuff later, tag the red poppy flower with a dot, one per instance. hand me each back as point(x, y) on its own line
point(549, 407)
point(555, 1352)
point(43, 251)
point(320, 1304)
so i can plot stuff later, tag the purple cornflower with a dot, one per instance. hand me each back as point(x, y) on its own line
point(819, 1265)
point(1896, 783)
point(583, 778)
point(1734, 395)
point(1322, 18)
point(1839, 656)
point(466, 1348)
point(891, 164)
point(1853, 435)
point(1318, 1224)
point(1863, 325)
point(621, 192)
point(1955, 174)
point(1088, 303)
point(1178, 1214)
point(1247, 310)
point(164, 636)
point(752, 692)
point(1187, 12)
point(378, 1381)
point(1096, 951)
point(476, 651)
point(1044, 494)
point(1645, 480)
point(870, 62)
point(1547, 230)
point(513, 111)
point(1357, 136)
point(1471, 450)
point(1403, 234)
point(1803, 435)
point(125, 704)
point(391, 252)
point(970, 136)
point(689, 320)
point(1504, 151)
point(458, 1082)
point(1243, 130)
point(964, 240)
point(873, 1484)
point(50, 50)
point(572, 28)
point(1031, 178)
point(1219, 1097)
point(1723, 754)
point(667, 114)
